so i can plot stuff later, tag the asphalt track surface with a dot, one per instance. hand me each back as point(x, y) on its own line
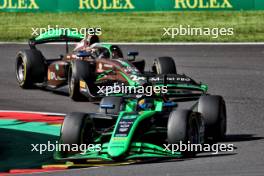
point(235, 72)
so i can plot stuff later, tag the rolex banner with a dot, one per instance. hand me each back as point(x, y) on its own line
point(127, 5)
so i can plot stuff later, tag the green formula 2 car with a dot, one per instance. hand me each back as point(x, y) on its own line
point(132, 127)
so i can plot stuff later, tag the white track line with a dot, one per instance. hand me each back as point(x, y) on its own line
point(34, 112)
point(152, 43)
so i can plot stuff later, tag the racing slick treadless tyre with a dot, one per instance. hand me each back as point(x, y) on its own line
point(213, 110)
point(30, 68)
point(164, 65)
point(183, 126)
point(116, 101)
point(79, 70)
point(77, 128)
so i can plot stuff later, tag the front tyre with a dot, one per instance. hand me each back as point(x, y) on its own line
point(79, 70)
point(164, 65)
point(213, 110)
point(77, 128)
point(183, 127)
point(74, 87)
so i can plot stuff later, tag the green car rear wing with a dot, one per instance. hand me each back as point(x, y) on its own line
point(56, 35)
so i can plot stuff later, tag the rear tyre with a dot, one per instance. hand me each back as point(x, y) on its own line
point(117, 102)
point(164, 65)
point(213, 110)
point(183, 127)
point(77, 128)
point(80, 70)
point(30, 68)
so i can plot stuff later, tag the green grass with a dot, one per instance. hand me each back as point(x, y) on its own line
point(138, 27)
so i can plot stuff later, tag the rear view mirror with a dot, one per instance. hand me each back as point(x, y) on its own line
point(107, 106)
point(132, 54)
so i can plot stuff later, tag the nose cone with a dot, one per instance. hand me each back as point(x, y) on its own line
point(116, 151)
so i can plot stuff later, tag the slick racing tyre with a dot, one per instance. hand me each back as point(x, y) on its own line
point(116, 102)
point(164, 65)
point(213, 110)
point(183, 127)
point(30, 68)
point(77, 128)
point(80, 70)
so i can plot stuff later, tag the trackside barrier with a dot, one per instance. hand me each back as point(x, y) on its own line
point(127, 5)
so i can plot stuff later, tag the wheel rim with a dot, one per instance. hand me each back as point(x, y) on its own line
point(20, 70)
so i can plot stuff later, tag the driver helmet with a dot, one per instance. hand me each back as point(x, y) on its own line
point(86, 42)
point(103, 53)
point(91, 39)
point(116, 52)
point(145, 104)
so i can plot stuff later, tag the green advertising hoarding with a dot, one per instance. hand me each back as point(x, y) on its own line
point(127, 5)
